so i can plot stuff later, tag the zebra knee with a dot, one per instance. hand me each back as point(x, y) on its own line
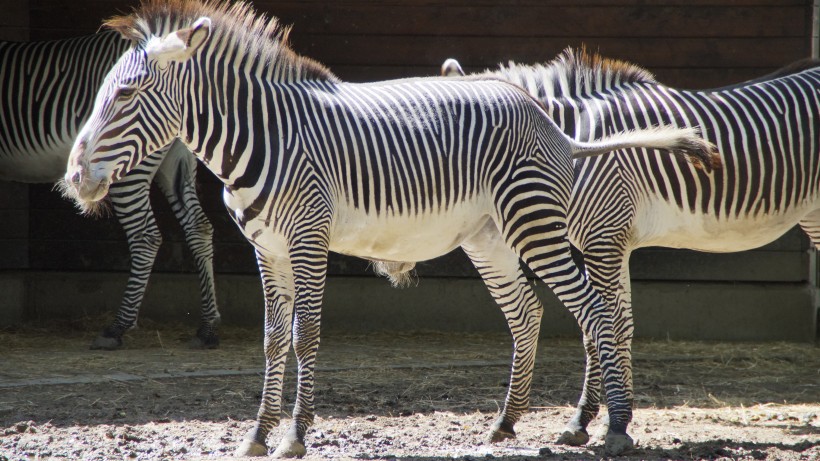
point(151, 241)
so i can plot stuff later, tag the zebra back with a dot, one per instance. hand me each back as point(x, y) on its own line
point(765, 129)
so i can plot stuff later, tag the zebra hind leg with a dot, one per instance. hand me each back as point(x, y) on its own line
point(575, 433)
point(501, 271)
point(608, 271)
point(539, 238)
point(176, 178)
point(132, 207)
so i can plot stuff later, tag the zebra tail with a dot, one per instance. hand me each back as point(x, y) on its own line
point(684, 143)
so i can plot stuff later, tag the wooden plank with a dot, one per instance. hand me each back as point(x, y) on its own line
point(618, 19)
point(272, 4)
point(15, 14)
point(14, 195)
point(13, 224)
point(487, 52)
point(544, 21)
point(15, 254)
point(747, 266)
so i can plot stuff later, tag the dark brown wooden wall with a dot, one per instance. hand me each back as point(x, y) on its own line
point(697, 43)
point(687, 43)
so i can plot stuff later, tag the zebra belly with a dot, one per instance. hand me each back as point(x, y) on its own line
point(668, 226)
point(405, 238)
point(34, 167)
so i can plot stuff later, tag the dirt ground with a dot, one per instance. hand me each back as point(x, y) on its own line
point(421, 396)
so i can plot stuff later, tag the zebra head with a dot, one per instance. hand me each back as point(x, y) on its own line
point(137, 111)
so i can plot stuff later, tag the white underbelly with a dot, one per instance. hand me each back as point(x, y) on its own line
point(388, 237)
point(668, 226)
point(405, 238)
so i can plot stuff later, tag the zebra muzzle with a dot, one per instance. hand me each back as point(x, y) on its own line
point(83, 187)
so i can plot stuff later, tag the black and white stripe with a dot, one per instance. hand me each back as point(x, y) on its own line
point(399, 171)
point(48, 91)
point(768, 136)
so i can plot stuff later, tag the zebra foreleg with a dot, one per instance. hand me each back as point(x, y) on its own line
point(501, 271)
point(309, 260)
point(132, 206)
point(277, 285)
point(176, 178)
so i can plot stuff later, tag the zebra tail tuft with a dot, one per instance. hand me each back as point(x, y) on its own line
point(701, 153)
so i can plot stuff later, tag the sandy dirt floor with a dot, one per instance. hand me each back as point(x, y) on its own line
point(422, 396)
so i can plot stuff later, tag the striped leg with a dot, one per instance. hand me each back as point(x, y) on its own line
point(811, 226)
point(277, 285)
point(132, 206)
point(501, 271)
point(176, 178)
point(293, 296)
point(309, 258)
point(608, 269)
point(534, 225)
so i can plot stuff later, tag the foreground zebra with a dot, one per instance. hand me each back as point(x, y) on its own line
point(766, 131)
point(47, 93)
point(399, 171)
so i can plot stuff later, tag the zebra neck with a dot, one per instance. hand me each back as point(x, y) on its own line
point(242, 127)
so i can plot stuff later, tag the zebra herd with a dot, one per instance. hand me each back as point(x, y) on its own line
point(507, 165)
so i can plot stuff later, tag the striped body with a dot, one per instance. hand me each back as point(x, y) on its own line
point(399, 171)
point(768, 137)
point(48, 92)
point(408, 172)
point(43, 110)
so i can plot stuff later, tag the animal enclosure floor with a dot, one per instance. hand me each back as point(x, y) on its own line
point(387, 396)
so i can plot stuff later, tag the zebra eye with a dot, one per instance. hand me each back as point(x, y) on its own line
point(124, 92)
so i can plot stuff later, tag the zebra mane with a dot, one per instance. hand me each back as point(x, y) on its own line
point(252, 33)
point(575, 73)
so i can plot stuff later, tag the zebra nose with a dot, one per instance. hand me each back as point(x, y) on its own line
point(74, 178)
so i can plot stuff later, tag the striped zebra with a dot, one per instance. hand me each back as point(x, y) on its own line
point(766, 131)
point(400, 171)
point(48, 92)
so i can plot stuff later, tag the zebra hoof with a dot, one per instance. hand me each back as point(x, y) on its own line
point(251, 448)
point(206, 337)
point(618, 444)
point(500, 431)
point(290, 448)
point(575, 438)
point(106, 344)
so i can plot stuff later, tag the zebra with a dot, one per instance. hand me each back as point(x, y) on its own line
point(398, 172)
point(41, 113)
point(765, 129)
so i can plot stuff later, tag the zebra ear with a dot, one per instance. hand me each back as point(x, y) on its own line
point(179, 46)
